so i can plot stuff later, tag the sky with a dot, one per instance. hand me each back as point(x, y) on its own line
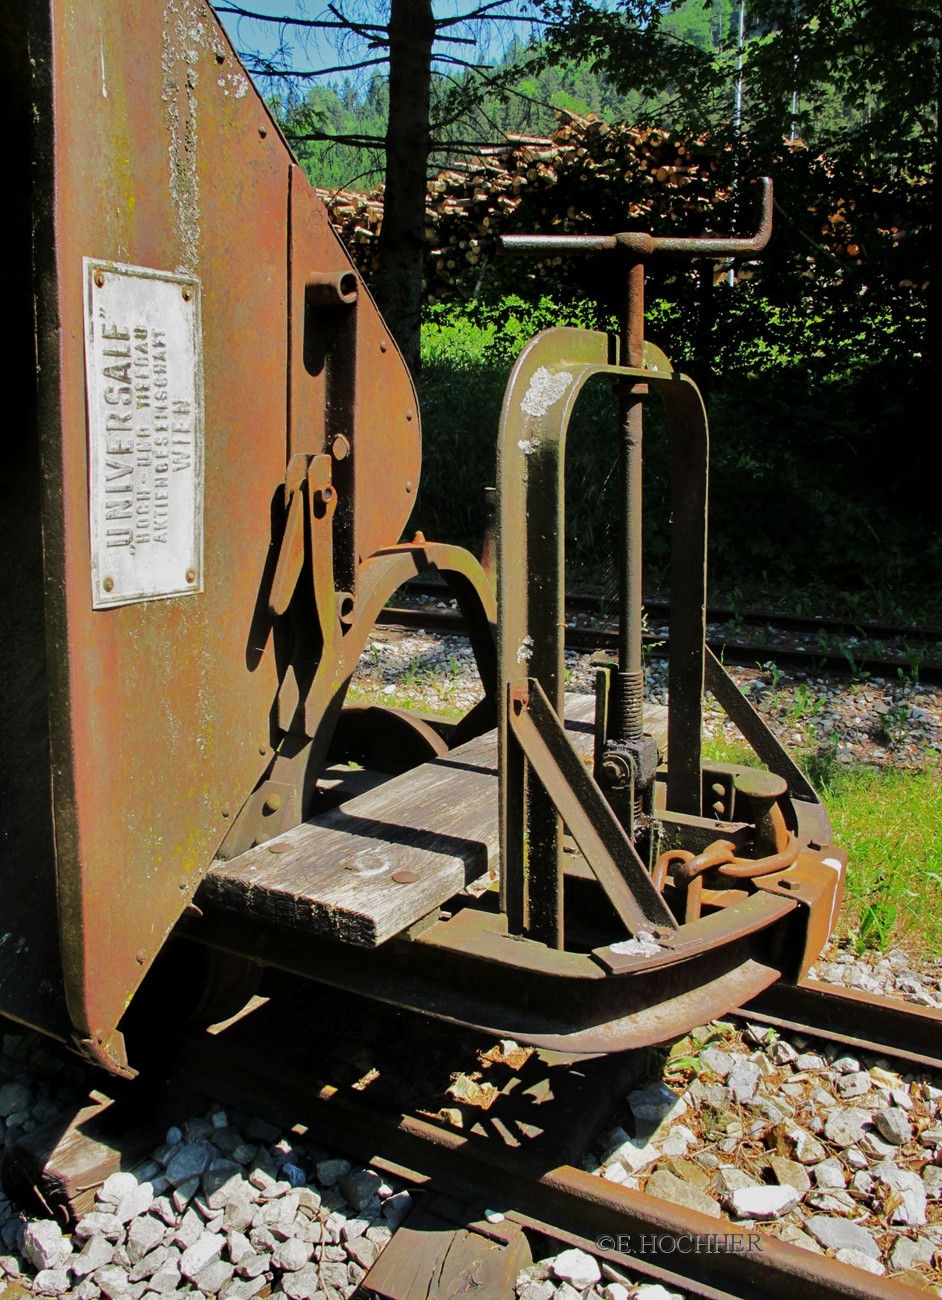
point(322, 49)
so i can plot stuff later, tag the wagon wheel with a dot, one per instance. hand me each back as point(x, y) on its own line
point(189, 986)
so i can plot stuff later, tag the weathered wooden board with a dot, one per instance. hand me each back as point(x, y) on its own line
point(435, 828)
point(57, 1169)
point(430, 1259)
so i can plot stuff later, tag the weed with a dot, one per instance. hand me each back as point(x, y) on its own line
point(821, 764)
point(895, 724)
point(916, 657)
point(803, 704)
point(414, 672)
point(858, 673)
point(888, 822)
point(876, 924)
point(775, 674)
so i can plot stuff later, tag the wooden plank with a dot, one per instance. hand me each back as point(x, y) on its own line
point(428, 1259)
point(437, 825)
point(57, 1169)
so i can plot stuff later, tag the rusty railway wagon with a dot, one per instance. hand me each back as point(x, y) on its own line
point(207, 490)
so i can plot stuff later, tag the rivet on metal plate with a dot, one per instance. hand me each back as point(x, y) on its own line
point(108, 584)
point(191, 575)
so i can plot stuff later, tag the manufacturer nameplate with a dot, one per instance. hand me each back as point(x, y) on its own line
point(144, 391)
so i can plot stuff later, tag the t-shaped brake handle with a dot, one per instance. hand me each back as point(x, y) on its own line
point(640, 244)
point(625, 721)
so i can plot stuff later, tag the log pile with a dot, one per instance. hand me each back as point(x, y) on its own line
point(589, 176)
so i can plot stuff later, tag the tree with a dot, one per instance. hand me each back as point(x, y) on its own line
point(419, 48)
point(840, 104)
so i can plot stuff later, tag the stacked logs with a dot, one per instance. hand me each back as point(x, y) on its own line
point(589, 176)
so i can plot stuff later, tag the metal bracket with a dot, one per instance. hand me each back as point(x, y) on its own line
point(576, 798)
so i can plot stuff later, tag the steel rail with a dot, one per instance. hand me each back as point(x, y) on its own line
point(877, 1025)
point(581, 601)
point(744, 654)
point(707, 1257)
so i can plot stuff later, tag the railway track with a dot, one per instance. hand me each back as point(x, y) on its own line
point(834, 645)
point(633, 1233)
point(295, 1059)
point(908, 1035)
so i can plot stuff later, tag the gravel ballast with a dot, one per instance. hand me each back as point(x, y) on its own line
point(834, 1154)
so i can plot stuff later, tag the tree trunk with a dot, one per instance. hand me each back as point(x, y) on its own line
point(398, 284)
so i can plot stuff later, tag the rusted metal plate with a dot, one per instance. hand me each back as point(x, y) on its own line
point(152, 150)
point(144, 391)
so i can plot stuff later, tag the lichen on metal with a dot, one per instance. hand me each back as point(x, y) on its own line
point(544, 391)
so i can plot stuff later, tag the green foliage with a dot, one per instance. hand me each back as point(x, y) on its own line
point(466, 357)
point(876, 925)
point(807, 510)
point(324, 127)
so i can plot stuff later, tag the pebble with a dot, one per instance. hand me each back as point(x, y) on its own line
point(839, 1234)
point(220, 1167)
point(859, 1259)
point(801, 1145)
point(743, 1080)
point(846, 1127)
point(653, 1106)
point(894, 1126)
point(44, 1245)
point(829, 1173)
point(669, 1187)
point(576, 1267)
point(791, 1174)
point(906, 1202)
point(762, 1202)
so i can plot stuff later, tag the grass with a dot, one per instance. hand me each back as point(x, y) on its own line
point(404, 699)
point(888, 821)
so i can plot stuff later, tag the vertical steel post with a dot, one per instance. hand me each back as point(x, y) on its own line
point(626, 719)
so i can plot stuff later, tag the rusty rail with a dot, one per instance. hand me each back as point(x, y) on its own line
point(882, 1026)
point(566, 1203)
point(657, 644)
